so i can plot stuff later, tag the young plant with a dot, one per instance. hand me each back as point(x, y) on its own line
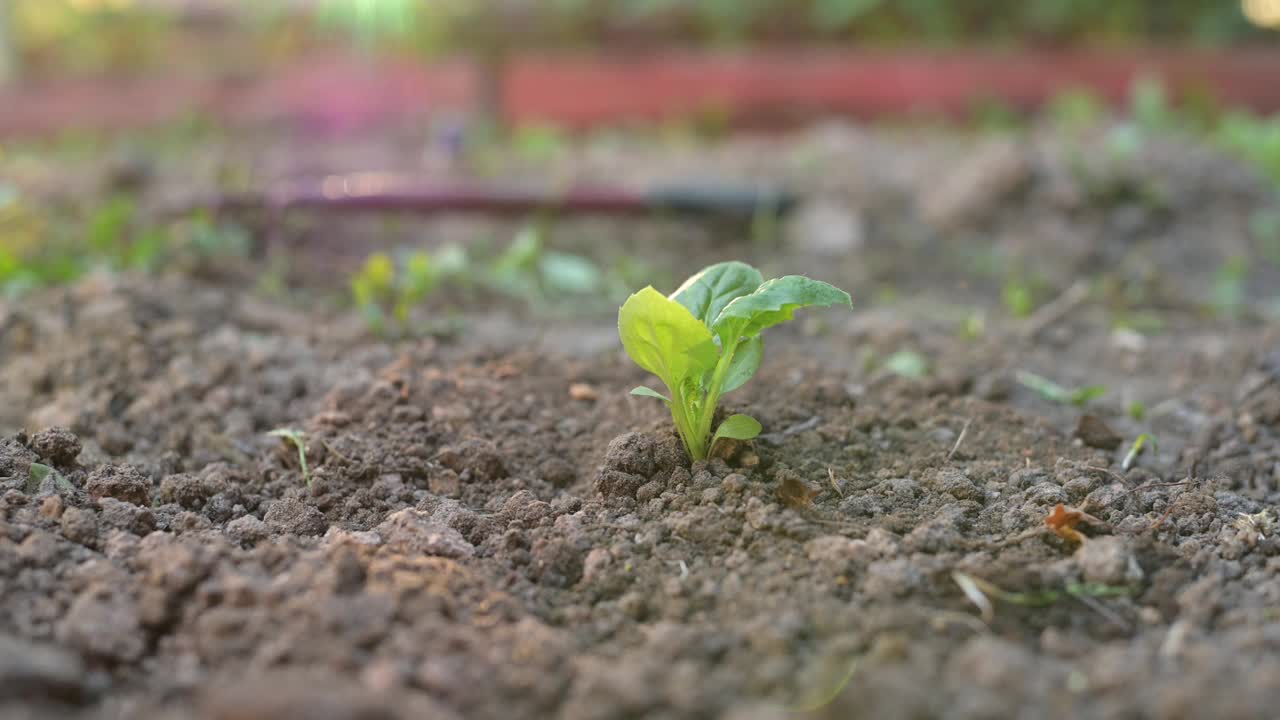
point(299, 440)
point(1054, 392)
point(704, 341)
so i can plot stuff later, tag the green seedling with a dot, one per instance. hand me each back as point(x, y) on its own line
point(384, 291)
point(527, 270)
point(373, 288)
point(299, 441)
point(1137, 410)
point(1136, 449)
point(704, 341)
point(1018, 299)
point(907, 364)
point(1054, 392)
point(974, 326)
point(38, 473)
point(979, 592)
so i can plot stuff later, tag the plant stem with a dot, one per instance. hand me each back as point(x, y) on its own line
point(713, 399)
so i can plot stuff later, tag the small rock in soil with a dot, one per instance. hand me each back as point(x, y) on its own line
point(835, 553)
point(39, 549)
point(247, 531)
point(644, 454)
point(185, 490)
point(122, 482)
point(80, 525)
point(40, 673)
point(413, 531)
point(1107, 560)
point(294, 516)
point(104, 625)
point(58, 445)
point(1096, 433)
point(558, 472)
point(126, 516)
point(556, 562)
point(477, 460)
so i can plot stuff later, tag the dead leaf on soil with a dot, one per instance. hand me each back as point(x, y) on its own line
point(794, 493)
point(1063, 520)
point(584, 392)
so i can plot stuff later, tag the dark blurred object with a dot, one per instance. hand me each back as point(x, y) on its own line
point(385, 192)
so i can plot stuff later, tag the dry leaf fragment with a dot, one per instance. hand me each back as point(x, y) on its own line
point(794, 493)
point(1063, 520)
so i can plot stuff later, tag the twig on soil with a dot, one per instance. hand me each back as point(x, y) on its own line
point(776, 438)
point(831, 475)
point(1160, 485)
point(1055, 309)
point(339, 455)
point(1106, 612)
point(1107, 471)
point(963, 432)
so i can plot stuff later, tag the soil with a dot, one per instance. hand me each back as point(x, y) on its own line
point(491, 527)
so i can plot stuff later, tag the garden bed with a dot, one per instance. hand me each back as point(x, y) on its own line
point(493, 528)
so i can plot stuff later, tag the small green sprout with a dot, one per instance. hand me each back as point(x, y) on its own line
point(299, 441)
point(1137, 410)
point(1136, 449)
point(1018, 299)
point(384, 291)
point(979, 592)
point(704, 341)
point(1054, 392)
point(38, 473)
point(907, 364)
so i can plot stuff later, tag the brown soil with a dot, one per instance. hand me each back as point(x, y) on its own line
point(478, 541)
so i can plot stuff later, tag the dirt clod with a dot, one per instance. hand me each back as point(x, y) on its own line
point(80, 525)
point(247, 530)
point(121, 482)
point(104, 624)
point(1109, 561)
point(413, 531)
point(40, 672)
point(292, 516)
point(58, 445)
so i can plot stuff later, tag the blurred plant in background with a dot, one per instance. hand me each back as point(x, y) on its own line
point(95, 36)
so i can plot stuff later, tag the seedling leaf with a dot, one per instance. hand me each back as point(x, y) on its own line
point(298, 439)
point(569, 274)
point(737, 427)
point(707, 293)
point(745, 363)
point(1054, 392)
point(907, 364)
point(775, 302)
point(1136, 449)
point(662, 337)
point(37, 474)
point(643, 391)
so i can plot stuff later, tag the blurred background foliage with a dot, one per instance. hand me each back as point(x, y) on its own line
point(111, 36)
